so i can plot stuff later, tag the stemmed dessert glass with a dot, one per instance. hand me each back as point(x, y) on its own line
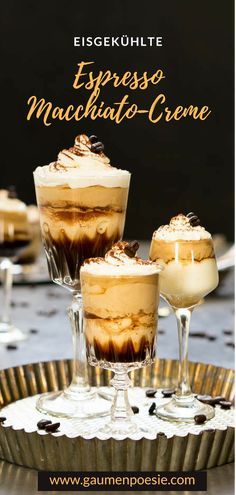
point(14, 236)
point(120, 325)
point(77, 223)
point(190, 273)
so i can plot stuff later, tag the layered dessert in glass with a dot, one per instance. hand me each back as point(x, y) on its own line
point(120, 300)
point(14, 236)
point(82, 201)
point(82, 204)
point(186, 252)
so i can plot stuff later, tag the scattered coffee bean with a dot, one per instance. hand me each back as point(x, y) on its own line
point(227, 332)
point(33, 330)
point(224, 404)
point(135, 409)
point(168, 392)
point(218, 399)
point(200, 335)
point(211, 337)
point(52, 427)
point(50, 312)
point(230, 343)
point(2, 419)
point(24, 304)
point(161, 331)
point(152, 409)
point(206, 399)
point(151, 392)
point(11, 347)
point(199, 419)
point(43, 423)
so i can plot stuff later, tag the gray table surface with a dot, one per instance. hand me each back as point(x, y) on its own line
point(53, 341)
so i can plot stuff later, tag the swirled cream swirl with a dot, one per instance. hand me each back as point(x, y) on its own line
point(117, 261)
point(81, 166)
point(180, 228)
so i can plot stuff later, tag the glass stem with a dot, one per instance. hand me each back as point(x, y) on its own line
point(121, 410)
point(79, 382)
point(183, 316)
point(6, 275)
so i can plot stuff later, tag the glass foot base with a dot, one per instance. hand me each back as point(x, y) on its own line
point(81, 405)
point(10, 334)
point(182, 410)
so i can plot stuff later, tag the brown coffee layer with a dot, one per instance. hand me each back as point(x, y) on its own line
point(65, 255)
point(10, 249)
point(127, 353)
point(181, 250)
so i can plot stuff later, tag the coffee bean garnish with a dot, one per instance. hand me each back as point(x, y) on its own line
point(93, 139)
point(224, 404)
point(151, 392)
point(211, 337)
point(33, 330)
point(52, 427)
point(11, 347)
point(131, 249)
point(161, 331)
point(168, 392)
point(199, 419)
point(227, 332)
point(152, 409)
point(193, 219)
point(135, 409)
point(43, 423)
point(2, 419)
point(12, 192)
point(97, 147)
point(200, 335)
point(50, 312)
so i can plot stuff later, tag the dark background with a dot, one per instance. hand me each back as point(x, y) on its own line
point(177, 166)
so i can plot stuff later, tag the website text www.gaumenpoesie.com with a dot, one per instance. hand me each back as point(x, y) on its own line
point(119, 481)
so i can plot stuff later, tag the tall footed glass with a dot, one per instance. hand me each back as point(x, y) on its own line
point(82, 204)
point(190, 273)
point(120, 324)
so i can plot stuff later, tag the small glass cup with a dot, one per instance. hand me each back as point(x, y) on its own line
point(14, 237)
point(190, 273)
point(120, 325)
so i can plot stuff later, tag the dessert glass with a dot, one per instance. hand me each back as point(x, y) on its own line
point(82, 204)
point(120, 299)
point(14, 236)
point(190, 273)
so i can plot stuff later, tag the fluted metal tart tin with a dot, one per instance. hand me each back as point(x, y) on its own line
point(203, 449)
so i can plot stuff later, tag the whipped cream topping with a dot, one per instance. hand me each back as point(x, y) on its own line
point(10, 204)
point(118, 262)
point(180, 228)
point(81, 166)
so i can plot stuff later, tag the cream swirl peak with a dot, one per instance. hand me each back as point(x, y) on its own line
point(10, 204)
point(180, 228)
point(83, 165)
point(121, 259)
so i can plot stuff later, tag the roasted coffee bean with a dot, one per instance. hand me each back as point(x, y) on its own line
point(2, 419)
point(211, 337)
point(93, 139)
point(33, 330)
point(152, 409)
point(52, 427)
point(50, 312)
point(224, 404)
point(43, 423)
point(200, 335)
point(230, 343)
point(218, 399)
point(199, 419)
point(206, 399)
point(97, 147)
point(161, 331)
point(151, 392)
point(131, 249)
point(135, 409)
point(168, 392)
point(227, 332)
point(11, 347)
point(193, 219)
